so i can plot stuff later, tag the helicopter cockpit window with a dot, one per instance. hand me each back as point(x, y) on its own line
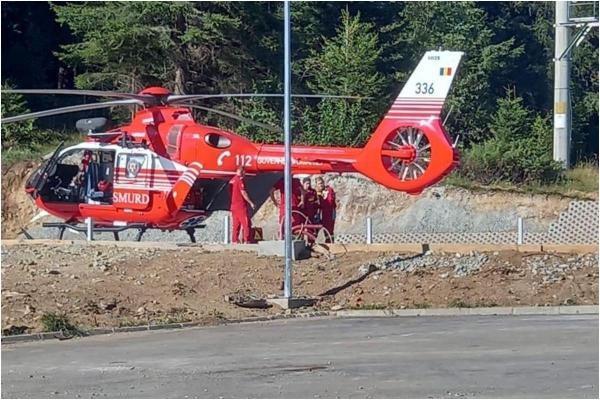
point(217, 140)
point(70, 167)
point(173, 140)
point(72, 157)
point(81, 176)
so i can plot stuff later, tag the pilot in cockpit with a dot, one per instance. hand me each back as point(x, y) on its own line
point(79, 178)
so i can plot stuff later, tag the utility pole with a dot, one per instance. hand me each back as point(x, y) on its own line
point(562, 95)
point(573, 21)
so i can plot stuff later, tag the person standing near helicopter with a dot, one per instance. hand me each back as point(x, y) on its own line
point(297, 194)
point(328, 206)
point(239, 207)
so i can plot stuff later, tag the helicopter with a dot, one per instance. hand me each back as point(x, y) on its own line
point(164, 170)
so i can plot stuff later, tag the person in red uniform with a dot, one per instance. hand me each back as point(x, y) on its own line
point(310, 201)
point(310, 205)
point(79, 178)
point(296, 199)
point(239, 207)
point(327, 205)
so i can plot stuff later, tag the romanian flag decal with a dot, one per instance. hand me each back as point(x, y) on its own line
point(445, 71)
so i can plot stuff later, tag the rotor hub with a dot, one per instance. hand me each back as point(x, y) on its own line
point(156, 91)
point(407, 153)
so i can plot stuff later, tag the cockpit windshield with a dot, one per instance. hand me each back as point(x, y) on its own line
point(37, 180)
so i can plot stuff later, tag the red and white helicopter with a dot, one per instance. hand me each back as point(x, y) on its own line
point(164, 170)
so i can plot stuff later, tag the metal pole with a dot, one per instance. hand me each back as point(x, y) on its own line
point(287, 292)
point(369, 231)
point(226, 229)
point(562, 97)
point(89, 229)
point(519, 231)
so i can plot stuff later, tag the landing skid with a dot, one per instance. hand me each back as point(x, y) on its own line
point(141, 229)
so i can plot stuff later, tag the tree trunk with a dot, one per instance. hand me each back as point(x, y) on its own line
point(179, 81)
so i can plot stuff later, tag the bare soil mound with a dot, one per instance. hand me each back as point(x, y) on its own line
point(114, 286)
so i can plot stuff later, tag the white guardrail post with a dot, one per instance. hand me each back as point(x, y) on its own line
point(89, 229)
point(519, 231)
point(369, 230)
point(226, 229)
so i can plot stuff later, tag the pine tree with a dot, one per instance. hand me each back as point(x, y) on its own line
point(130, 45)
point(346, 65)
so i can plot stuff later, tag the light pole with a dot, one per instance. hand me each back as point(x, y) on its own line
point(287, 292)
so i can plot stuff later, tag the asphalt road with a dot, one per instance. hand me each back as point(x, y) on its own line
point(453, 357)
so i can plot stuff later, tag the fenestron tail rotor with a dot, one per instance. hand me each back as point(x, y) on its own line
point(414, 167)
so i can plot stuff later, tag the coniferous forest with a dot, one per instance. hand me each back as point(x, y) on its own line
point(500, 104)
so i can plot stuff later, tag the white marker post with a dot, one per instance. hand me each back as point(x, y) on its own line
point(287, 292)
point(226, 229)
point(519, 231)
point(89, 229)
point(369, 230)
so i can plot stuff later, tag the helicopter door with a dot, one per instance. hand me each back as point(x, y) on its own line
point(173, 141)
point(131, 177)
point(99, 179)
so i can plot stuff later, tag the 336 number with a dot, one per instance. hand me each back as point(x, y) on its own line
point(424, 88)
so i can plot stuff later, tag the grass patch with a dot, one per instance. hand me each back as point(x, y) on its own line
point(216, 314)
point(421, 305)
point(372, 306)
point(53, 322)
point(172, 319)
point(458, 303)
point(580, 182)
point(126, 322)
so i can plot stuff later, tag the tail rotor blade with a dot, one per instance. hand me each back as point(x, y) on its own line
point(70, 109)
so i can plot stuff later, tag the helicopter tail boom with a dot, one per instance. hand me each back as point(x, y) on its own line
point(410, 149)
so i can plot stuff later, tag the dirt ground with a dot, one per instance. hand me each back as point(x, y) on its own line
point(17, 208)
point(108, 286)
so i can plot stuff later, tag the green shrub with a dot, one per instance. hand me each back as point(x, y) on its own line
point(458, 303)
point(519, 152)
point(421, 305)
point(22, 133)
point(53, 322)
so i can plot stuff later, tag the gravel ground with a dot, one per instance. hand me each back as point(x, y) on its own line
point(550, 267)
point(212, 233)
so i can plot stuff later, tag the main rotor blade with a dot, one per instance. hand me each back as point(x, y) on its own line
point(77, 92)
point(268, 127)
point(190, 97)
point(70, 109)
